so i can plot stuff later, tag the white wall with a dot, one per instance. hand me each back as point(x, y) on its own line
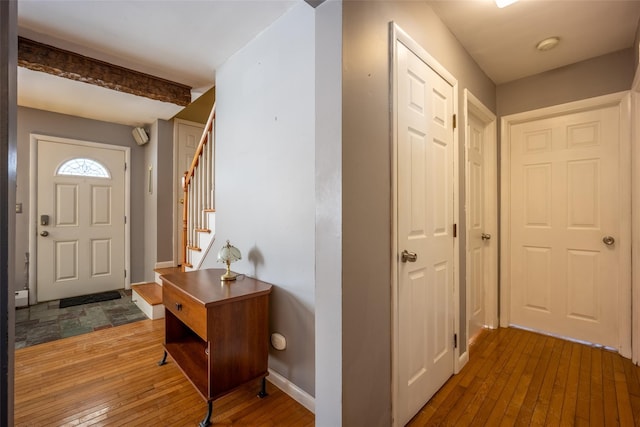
point(265, 190)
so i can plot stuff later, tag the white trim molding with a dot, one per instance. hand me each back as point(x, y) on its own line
point(165, 264)
point(292, 390)
point(635, 217)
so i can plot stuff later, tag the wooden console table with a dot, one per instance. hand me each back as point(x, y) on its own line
point(216, 332)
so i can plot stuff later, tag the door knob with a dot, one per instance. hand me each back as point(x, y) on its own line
point(407, 256)
point(608, 240)
point(44, 233)
point(486, 236)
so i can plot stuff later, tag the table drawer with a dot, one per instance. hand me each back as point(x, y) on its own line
point(189, 311)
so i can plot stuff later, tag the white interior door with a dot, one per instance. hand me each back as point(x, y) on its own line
point(189, 135)
point(425, 356)
point(81, 220)
point(567, 226)
point(479, 236)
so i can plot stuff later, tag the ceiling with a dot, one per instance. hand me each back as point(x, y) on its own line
point(183, 41)
point(503, 41)
point(186, 41)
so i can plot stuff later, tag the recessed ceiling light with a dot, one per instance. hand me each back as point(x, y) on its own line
point(548, 43)
point(504, 3)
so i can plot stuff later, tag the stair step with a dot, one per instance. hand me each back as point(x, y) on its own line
point(168, 270)
point(148, 298)
point(151, 292)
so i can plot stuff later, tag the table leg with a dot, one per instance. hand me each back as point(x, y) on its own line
point(206, 420)
point(164, 359)
point(263, 390)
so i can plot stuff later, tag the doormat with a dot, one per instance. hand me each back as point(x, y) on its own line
point(88, 299)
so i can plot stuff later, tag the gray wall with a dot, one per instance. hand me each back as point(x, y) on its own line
point(8, 69)
point(60, 125)
point(594, 77)
point(366, 199)
point(150, 202)
point(164, 178)
point(158, 198)
point(328, 184)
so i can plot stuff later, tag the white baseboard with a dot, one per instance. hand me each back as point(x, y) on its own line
point(165, 264)
point(295, 392)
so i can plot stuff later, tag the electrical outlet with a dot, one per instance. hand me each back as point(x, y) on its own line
point(278, 341)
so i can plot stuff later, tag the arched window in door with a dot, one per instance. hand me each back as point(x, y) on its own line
point(81, 166)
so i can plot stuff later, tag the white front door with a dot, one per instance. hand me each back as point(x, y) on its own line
point(479, 237)
point(425, 357)
point(568, 226)
point(189, 135)
point(81, 220)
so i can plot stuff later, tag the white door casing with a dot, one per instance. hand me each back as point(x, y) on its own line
point(187, 136)
point(481, 215)
point(82, 249)
point(566, 186)
point(424, 296)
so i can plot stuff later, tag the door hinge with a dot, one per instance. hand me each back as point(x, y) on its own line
point(125, 273)
point(455, 122)
point(125, 219)
point(455, 230)
point(455, 340)
point(125, 166)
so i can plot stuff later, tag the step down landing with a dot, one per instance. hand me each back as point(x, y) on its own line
point(148, 298)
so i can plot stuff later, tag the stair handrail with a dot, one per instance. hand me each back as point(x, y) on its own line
point(188, 180)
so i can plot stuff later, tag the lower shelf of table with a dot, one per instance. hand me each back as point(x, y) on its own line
point(191, 357)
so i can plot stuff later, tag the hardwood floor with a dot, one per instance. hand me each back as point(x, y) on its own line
point(110, 377)
point(516, 377)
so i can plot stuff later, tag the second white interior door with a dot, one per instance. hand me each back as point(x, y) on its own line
point(567, 225)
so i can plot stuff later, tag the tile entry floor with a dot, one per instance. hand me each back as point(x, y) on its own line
point(46, 322)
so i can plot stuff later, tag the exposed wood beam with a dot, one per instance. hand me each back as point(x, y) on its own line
point(63, 63)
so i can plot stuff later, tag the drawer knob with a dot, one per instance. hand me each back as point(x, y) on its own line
point(178, 306)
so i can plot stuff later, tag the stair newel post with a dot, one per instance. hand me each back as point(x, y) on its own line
point(185, 204)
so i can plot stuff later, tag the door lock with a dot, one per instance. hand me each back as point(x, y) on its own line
point(486, 236)
point(407, 256)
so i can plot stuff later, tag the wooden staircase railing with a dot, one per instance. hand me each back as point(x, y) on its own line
point(198, 186)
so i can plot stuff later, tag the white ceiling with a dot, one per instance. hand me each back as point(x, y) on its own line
point(502, 41)
point(186, 41)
